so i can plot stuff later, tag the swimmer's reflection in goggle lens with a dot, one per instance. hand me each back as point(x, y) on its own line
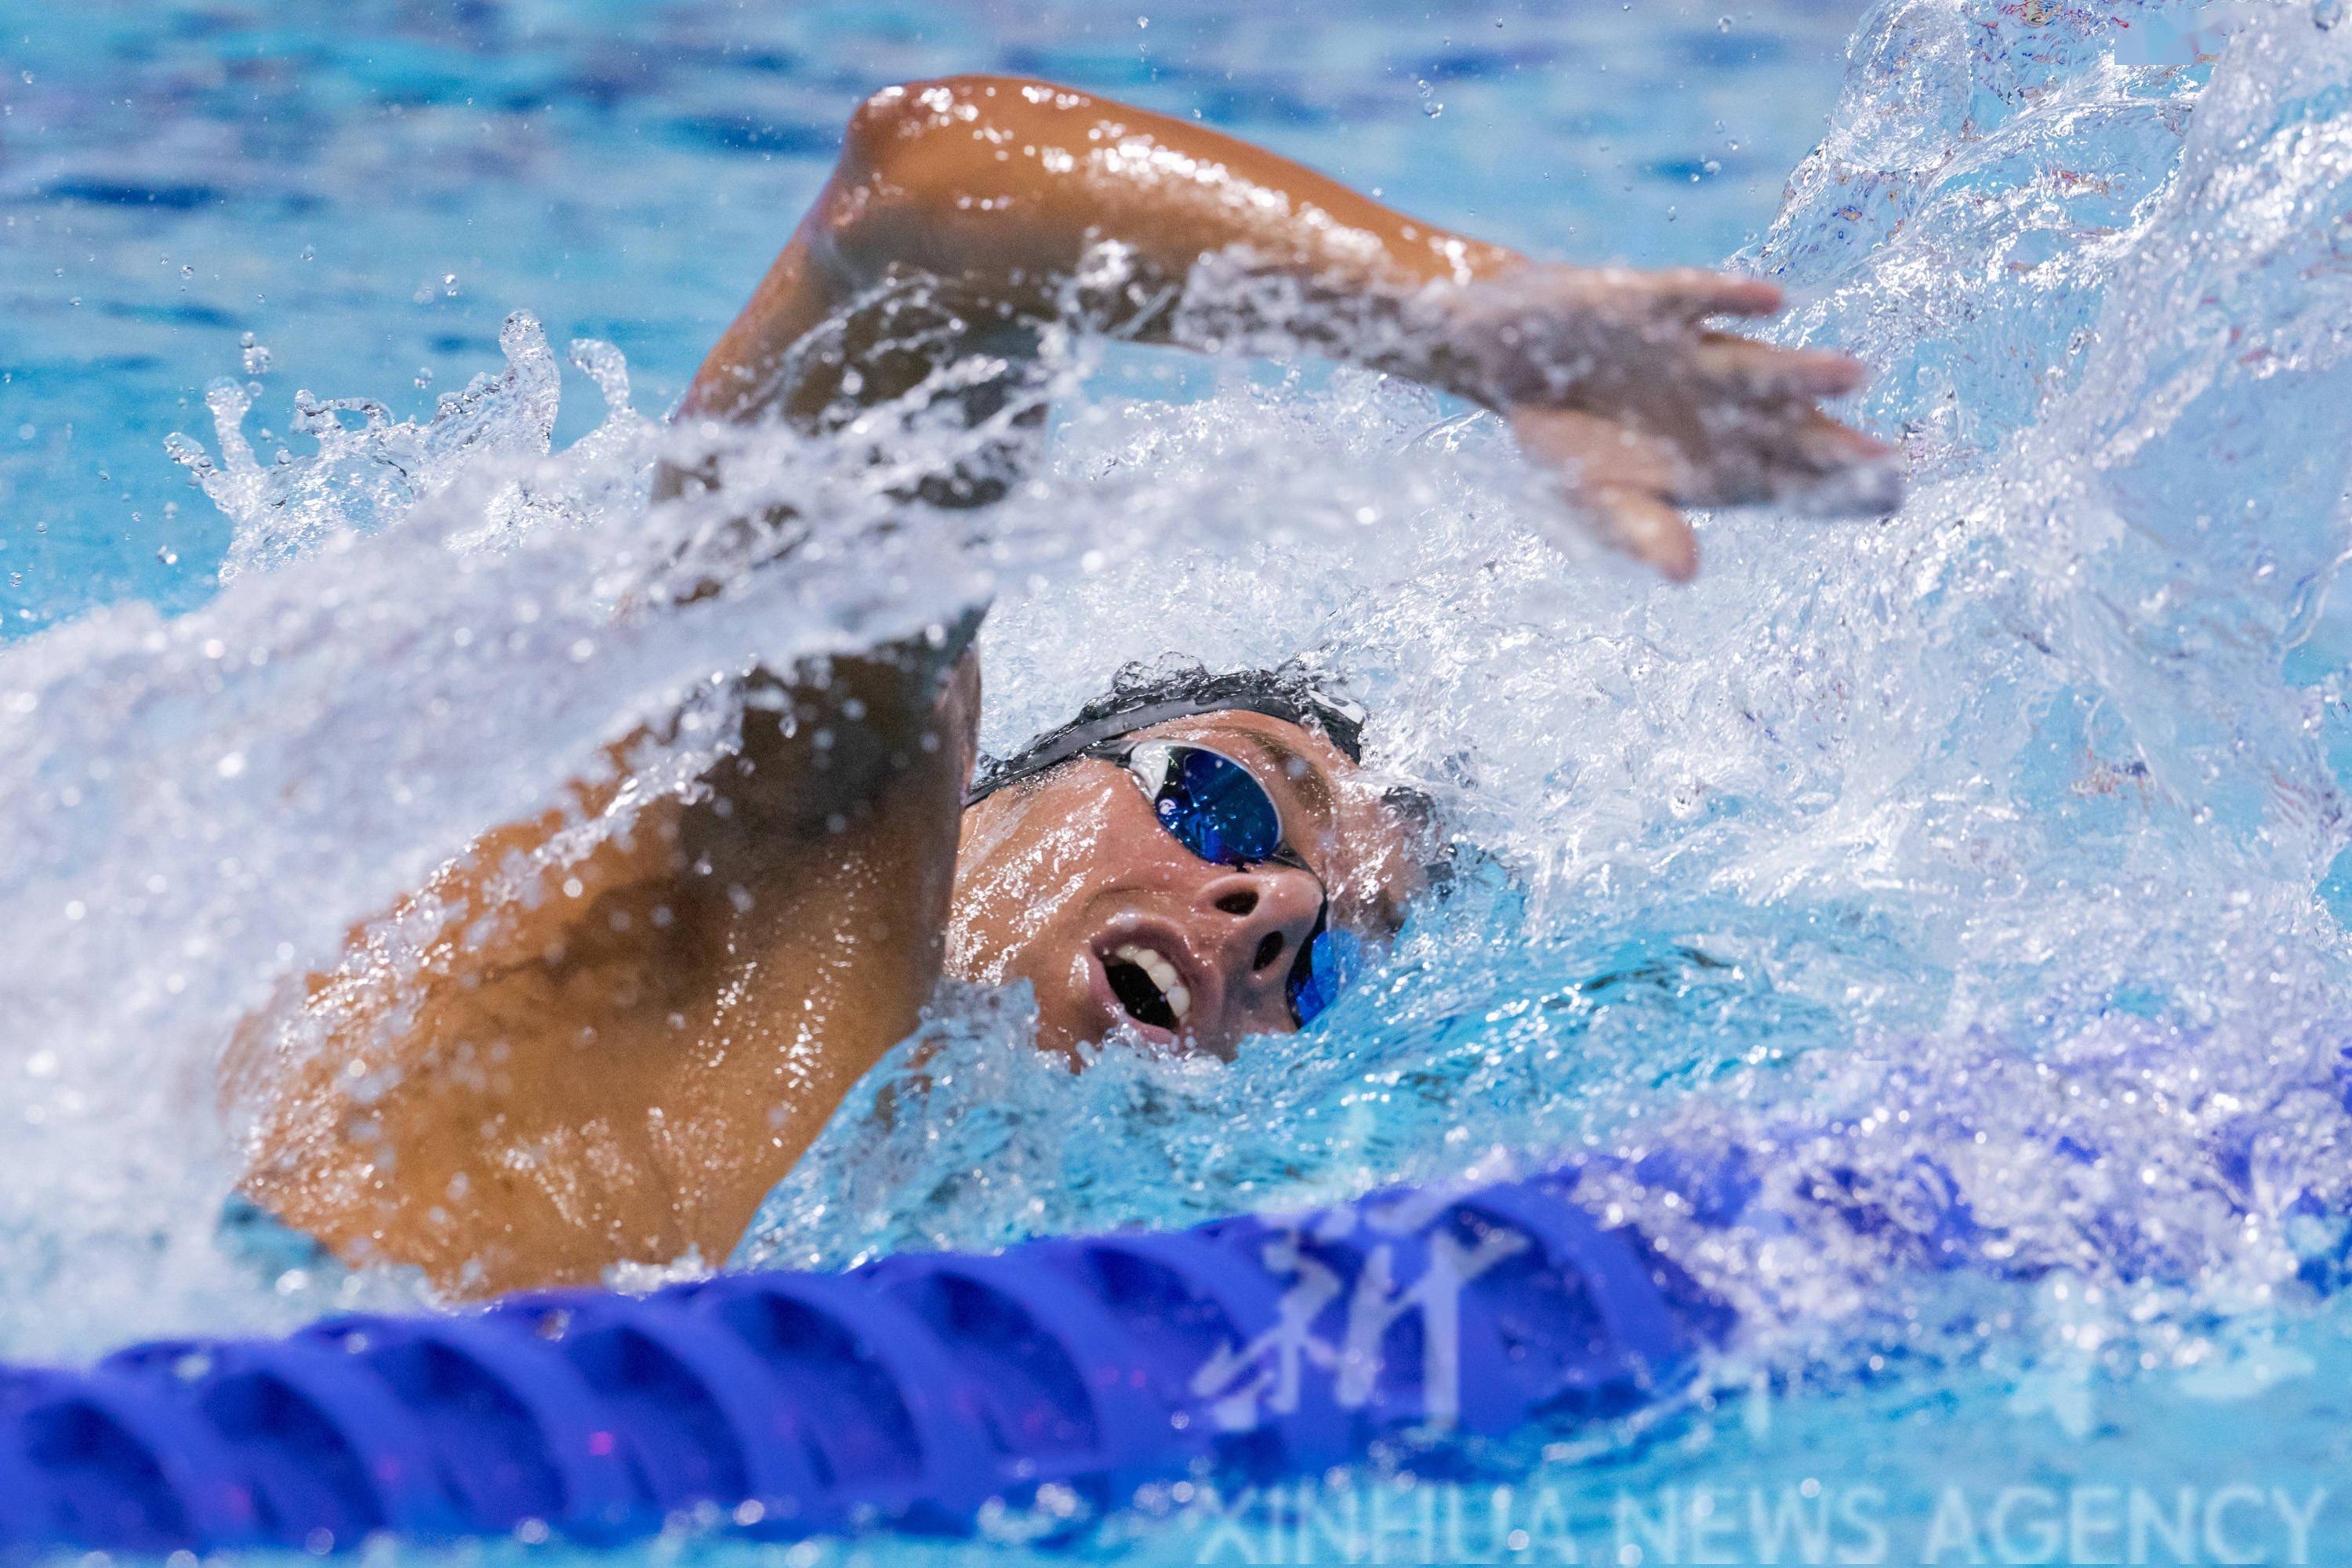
point(1217, 809)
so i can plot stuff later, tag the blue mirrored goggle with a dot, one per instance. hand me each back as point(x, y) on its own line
point(1217, 809)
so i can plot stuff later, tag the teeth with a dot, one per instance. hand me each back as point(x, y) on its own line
point(1163, 975)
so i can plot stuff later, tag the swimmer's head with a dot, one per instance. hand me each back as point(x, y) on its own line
point(1121, 867)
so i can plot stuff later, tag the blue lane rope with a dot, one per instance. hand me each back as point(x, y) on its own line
point(913, 1390)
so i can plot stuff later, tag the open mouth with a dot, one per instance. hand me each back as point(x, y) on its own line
point(1147, 986)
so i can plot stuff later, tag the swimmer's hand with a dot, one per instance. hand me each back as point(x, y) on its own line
point(1614, 378)
point(1006, 198)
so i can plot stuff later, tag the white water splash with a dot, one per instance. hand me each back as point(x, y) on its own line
point(1966, 862)
point(1988, 835)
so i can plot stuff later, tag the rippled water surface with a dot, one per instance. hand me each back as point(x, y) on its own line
point(1974, 864)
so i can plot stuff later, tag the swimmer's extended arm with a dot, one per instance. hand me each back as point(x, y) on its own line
point(555, 1064)
point(1000, 192)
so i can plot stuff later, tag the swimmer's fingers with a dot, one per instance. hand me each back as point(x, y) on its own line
point(1716, 421)
point(1743, 367)
point(1754, 433)
point(1679, 295)
point(1621, 477)
point(1831, 469)
point(1647, 528)
point(1692, 294)
point(1824, 444)
point(1594, 451)
point(1791, 454)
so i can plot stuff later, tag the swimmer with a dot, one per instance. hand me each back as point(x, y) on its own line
point(618, 1062)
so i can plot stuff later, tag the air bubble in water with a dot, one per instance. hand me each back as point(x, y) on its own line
point(450, 284)
point(257, 355)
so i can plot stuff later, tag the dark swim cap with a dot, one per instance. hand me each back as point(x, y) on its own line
point(1143, 695)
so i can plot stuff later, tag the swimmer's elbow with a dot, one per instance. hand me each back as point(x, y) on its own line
point(892, 123)
point(905, 128)
point(937, 147)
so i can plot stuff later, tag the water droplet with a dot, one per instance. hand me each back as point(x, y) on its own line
point(450, 284)
point(1723, 24)
point(424, 375)
point(309, 253)
point(167, 555)
point(1143, 21)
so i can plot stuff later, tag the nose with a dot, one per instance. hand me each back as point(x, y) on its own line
point(1260, 918)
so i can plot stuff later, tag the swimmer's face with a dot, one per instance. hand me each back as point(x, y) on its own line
point(1070, 881)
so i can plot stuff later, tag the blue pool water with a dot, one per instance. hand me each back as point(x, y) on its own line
point(1988, 848)
point(371, 190)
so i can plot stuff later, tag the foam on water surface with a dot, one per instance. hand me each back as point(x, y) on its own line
point(1968, 863)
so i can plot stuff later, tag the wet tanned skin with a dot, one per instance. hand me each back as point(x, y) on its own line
point(621, 1070)
point(619, 1066)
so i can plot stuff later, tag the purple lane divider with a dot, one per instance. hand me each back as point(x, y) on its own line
point(912, 1390)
